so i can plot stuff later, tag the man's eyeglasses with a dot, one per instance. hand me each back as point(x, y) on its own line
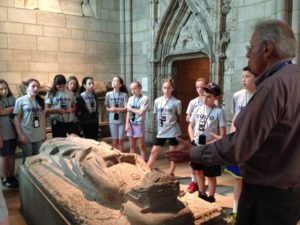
point(249, 48)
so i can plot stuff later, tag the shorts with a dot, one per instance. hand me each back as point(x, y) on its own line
point(116, 130)
point(208, 171)
point(162, 141)
point(136, 130)
point(233, 171)
point(9, 147)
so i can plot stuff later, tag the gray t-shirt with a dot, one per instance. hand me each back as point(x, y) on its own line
point(90, 101)
point(141, 103)
point(119, 100)
point(193, 104)
point(167, 111)
point(205, 120)
point(29, 110)
point(62, 100)
point(6, 121)
point(240, 100)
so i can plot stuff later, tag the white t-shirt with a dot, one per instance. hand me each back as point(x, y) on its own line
point(140, 103)
point(29, 110)
point(119, 100)
point(167, 111)
point(205, 120)
point(62, 100)
point(193, 104)
point(240, 100)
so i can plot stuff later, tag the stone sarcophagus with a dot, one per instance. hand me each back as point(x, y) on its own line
point(81, 181)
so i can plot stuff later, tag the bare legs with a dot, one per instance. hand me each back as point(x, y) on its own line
point(154, 154)
point(9, 165)
point(133, 143)
point(237, 189)
point(118, 144)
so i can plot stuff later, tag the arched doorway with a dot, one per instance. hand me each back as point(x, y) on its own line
point(186, 72)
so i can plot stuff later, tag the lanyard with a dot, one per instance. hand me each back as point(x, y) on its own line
point(203, 125)
point(115, 100)
point(34, 108)
point(135, 104)
point(162, 108)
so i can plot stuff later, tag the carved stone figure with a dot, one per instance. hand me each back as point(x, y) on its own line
point(113, 179)
point(192, 35)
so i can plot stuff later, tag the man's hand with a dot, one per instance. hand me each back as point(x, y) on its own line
point(182, 152)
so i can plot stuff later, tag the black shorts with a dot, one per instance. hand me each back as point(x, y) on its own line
point(162, 141)
point(208, 171)
point(9, 147)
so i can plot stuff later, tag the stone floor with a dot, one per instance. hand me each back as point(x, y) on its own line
point(182, 173)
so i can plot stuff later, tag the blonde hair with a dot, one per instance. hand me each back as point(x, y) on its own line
point(170, 81)
point(202, 79)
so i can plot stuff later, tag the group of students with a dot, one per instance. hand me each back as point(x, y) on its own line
point(24, 119)
point(74, 109)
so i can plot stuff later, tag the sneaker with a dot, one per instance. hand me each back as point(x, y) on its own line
point(202, 196)
point(9, 183)
point(211, 199)
point(192, 187)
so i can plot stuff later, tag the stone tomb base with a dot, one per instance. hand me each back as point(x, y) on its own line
point(40, 208)
point(82, 182)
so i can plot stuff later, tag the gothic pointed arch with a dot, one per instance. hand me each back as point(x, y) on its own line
point(185, 32)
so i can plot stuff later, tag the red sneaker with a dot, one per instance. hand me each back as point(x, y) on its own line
point(192, 187)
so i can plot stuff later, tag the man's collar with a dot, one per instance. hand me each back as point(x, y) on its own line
point(272, 69)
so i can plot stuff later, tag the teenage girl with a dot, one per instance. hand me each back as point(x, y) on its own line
point(30, 119)
point(60, 104)
point(168, 114)
point(138, 105)
point(73, 85)
point(87, 109)
point(115, 102)
point(7, 102)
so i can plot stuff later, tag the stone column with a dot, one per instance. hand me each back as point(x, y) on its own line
point(126, 40)
point(296, 27)
point(282, 10)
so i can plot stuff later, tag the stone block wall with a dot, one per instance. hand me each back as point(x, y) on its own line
point(39, 43)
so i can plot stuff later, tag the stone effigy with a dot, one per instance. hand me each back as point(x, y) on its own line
point(93, 183)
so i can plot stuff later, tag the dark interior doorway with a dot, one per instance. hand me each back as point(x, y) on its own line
point(186, 73)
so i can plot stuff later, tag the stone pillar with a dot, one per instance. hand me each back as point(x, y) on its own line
point(126, 40)
point(282, 10)
point(296, 27)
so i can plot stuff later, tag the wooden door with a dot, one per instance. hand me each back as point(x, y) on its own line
point(186, 74)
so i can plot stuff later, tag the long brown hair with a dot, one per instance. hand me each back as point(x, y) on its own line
point(38, 98)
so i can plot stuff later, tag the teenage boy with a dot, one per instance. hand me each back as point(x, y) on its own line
point(240, 100)
point(200, 82)
point(206, 120)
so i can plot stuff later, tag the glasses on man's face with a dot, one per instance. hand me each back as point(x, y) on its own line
point(249, 48)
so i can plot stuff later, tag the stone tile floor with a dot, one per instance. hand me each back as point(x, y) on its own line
point(182, 173)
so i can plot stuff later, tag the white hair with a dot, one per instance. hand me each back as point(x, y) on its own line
point(280, 35)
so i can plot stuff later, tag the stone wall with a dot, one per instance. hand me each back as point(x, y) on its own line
point(37, 42)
